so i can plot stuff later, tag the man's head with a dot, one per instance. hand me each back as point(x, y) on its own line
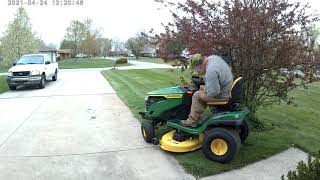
point(199, 63)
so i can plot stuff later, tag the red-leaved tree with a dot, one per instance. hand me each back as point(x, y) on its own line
point(267, 40)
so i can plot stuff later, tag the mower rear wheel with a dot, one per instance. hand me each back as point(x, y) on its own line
point(244, 130)
point(147, 131)
point(221, 145)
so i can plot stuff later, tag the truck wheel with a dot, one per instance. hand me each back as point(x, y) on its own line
point(244, 130)
point(54, 78)
point(12, 87)
point(221, 145)
point(147, 131)
point(42, 82)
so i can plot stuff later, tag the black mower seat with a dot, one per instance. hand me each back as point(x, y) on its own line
point(235, 93)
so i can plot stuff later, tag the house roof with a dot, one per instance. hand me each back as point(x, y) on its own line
point(47, 49)
point(36, 55)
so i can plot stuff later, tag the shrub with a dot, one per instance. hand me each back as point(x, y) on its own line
point(306, 171)
point(59, 58)
point(121, 61)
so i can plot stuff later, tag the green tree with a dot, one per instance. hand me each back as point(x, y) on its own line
point(105, 46)
point(18, 39)
point(66, 44)
point(264, 39)
point(136, 45)
point(76, 33)
point(94, 31)
point(90, 45)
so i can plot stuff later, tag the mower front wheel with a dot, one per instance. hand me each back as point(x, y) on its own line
point(221, 145)
point(147, 131)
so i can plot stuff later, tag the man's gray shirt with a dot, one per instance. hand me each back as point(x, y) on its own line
point(218, 78)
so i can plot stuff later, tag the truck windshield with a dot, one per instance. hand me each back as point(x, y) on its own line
point(30, 60)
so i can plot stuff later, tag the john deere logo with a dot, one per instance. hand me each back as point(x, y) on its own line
point(168, 95)
point(174, 96)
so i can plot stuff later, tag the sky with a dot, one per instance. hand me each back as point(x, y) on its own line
point(120, 19)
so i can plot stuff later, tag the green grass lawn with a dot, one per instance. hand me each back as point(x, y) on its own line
point(3, 84)
point(86, 63)
point(289, 126)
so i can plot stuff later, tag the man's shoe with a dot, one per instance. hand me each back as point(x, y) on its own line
point(187, 123)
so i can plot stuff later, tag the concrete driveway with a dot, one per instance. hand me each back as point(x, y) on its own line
point(76, 128)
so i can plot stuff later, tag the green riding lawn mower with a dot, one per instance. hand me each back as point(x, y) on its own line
point(219, 135)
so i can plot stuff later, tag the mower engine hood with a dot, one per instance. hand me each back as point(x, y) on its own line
point(171, 92)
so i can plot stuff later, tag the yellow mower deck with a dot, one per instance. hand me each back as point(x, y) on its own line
point(169, 144)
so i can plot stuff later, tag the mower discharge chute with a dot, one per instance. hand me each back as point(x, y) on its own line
point(219, 135)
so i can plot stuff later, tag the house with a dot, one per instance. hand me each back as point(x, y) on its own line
point(65, 53)
point(51, 51)
point(148, 51)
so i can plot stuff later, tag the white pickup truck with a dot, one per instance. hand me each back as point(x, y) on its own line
point(32, 69)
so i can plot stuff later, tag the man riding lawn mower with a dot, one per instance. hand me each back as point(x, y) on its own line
point(180, 108)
